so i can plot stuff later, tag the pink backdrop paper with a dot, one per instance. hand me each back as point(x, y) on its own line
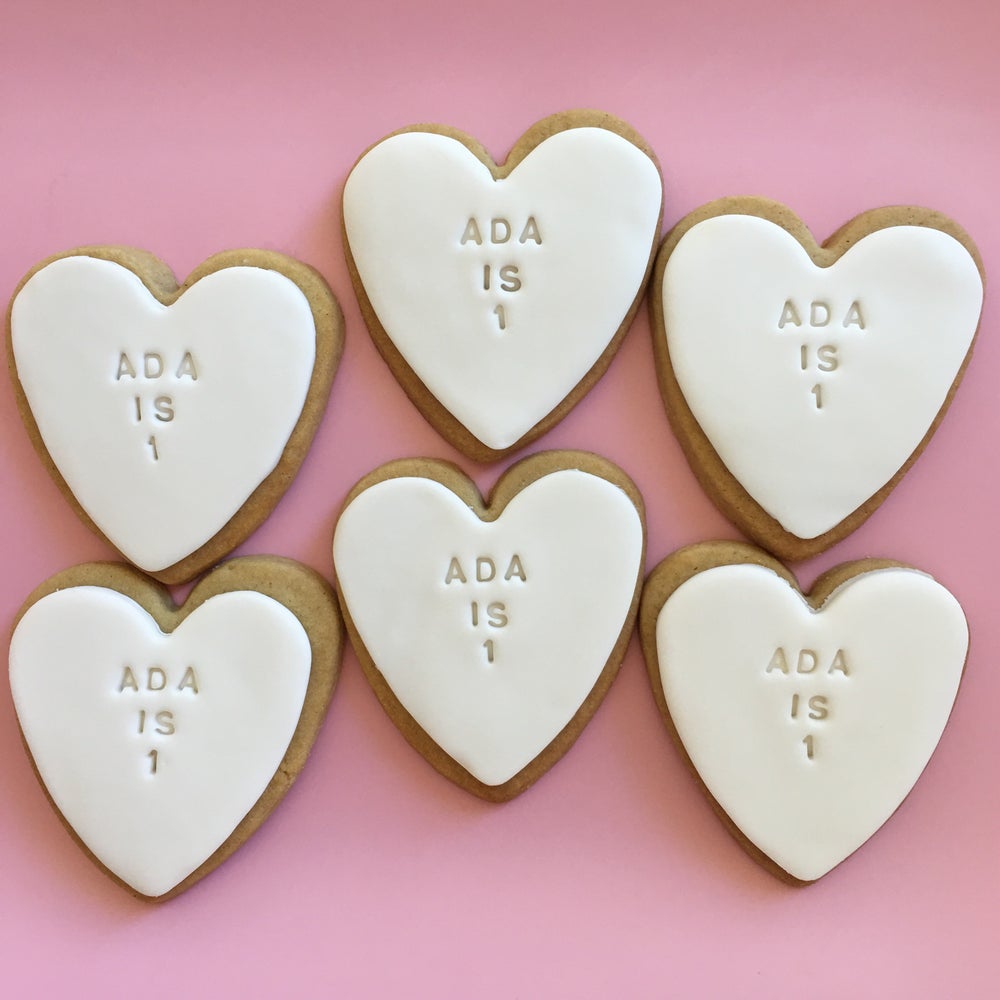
point(193, 127)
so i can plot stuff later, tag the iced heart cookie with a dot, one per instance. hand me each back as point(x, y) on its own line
point(174, 418)
point(491, 633)
point(498, 294)
point(165, 736)
point(802, 380)
point(807, 718)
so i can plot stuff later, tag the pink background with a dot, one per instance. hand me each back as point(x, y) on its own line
point(192, 127)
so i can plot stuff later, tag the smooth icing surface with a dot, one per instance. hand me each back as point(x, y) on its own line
point(152, 765)
point(553, 617)
point(162, 420)
point(814, 385)
point(810, 750)
point(501, 358)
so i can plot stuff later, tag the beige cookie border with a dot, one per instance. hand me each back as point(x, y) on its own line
point(515, 479)
point(679, 567)
point(428, 405)
point(161, 282)
point(295, 586)
point(719, 484)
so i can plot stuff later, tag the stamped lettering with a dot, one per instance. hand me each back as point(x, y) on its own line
point(158, 729)
point(485, 613)
point(808, 717)
point(820, 358)
point(806, 704)
point(504, 277)
point(149, 378)
point(160, 694)
point(496, 627)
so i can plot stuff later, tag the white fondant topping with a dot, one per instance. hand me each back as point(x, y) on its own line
point(162, 475)
point(218, 736)
point(595, 200)
point(578, 539)
point(813, 407)
point(903, 640)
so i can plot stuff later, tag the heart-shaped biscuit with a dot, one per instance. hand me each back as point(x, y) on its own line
point(174, 418)
point(491, 634)
point(499, 294)
point(164, 737)
point(803, 381)
point(808, 720)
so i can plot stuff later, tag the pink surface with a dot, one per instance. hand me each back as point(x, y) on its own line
point(196, 127)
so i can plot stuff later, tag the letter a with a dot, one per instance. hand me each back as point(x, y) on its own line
point(778, 662)
point(530, 232)
point(186, 367)
point(472, 233)
point(854, 317)
point(128, 681)
point(454, 571)
point(789, 315)
point(515, 569)
point(839, 664)
point(124, 367)
point(189, 680)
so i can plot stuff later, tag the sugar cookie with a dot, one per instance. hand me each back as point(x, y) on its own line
point(165, 736)
point(803, 381)
point(174, 419)
point(808, 719)
point(491, 632)
point(498, 294)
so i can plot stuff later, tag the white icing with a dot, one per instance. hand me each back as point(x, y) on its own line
point(596, 200)
point(724, 290)
point(904, 639)
point(67, 658)
point(579, 538)
point(252, 338)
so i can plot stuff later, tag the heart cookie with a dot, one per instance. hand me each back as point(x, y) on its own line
point(807, 719)
point(803, 381)
point(498, 294)
point(173, 418)
point(164, 737)
point(491, 633)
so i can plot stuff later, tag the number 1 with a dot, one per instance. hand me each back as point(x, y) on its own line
point(152, 761)
point(501, 317)
point(152, 444)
